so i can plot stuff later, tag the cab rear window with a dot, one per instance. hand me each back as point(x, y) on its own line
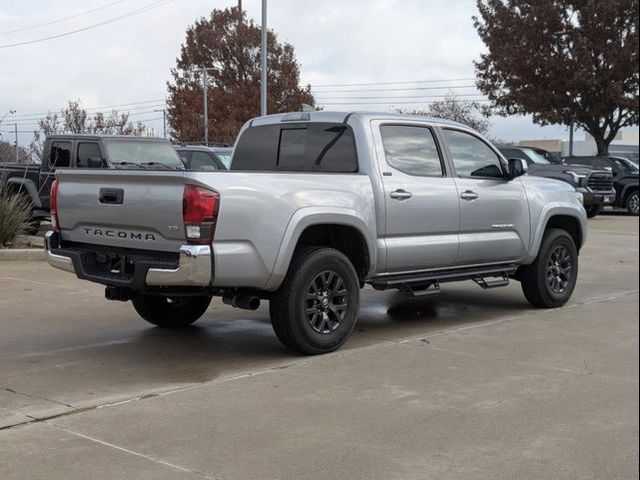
point(304, 147)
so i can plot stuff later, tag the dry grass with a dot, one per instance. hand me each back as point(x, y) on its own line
point(14, 217)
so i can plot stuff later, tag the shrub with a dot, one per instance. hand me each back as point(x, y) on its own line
point(14, 216)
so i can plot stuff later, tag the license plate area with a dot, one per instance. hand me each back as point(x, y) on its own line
point(115, 265)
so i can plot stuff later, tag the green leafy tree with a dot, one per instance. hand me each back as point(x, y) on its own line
point(562, 61)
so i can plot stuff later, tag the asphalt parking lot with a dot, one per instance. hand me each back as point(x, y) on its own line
point(470, 384)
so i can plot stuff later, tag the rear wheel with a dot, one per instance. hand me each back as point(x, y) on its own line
point(631, 203)
point(170, 312)
point(315, 309)
point(593, 210)
point(550, 280)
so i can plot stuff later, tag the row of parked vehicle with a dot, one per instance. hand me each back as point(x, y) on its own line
point(604, 181)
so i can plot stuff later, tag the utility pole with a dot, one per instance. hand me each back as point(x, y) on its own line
point(164, 121)
point(571, 125)
point(263, 72)
point(16, 130)
point(205, 87)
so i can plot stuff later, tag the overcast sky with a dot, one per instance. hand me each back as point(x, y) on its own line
point(337, 42)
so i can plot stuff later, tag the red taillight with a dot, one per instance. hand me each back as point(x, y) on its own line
point(53, 206)
point(200, 213)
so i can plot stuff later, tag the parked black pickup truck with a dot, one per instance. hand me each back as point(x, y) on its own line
point(625, 178)
point(84, 151)
point(593, 182)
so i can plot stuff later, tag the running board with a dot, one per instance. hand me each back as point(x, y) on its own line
point(428, 283)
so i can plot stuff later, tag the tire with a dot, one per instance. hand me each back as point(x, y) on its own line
point(170, 312)
point(550, 280)
point(593, 210)
point(316, 307)
point(631, 203)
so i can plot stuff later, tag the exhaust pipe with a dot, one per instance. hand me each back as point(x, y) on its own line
point(245, 302)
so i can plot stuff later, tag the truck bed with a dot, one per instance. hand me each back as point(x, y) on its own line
point(257, 210)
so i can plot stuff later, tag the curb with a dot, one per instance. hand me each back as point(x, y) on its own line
point(22, 255)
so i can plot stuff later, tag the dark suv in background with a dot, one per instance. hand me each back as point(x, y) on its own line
point(625, 178)
point(595, 183)
point(200, 157)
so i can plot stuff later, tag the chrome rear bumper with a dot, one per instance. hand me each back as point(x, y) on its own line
point(194, 267)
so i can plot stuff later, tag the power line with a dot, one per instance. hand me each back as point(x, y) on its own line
point(86, 12)
point(392, 83)
point(444, 97)
point(111, 20)
point(446, 87)
point(388, 103)
point(97, 44)
point(91, 109)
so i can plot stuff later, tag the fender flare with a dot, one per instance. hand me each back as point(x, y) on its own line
point(27, 186)
point(310, 216)
point(553, 210)
point(625, 191)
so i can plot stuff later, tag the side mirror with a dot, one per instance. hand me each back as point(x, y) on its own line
point(517, 167)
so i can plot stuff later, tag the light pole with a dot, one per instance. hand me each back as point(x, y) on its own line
point(16, 131)
point(205, 88)
point(10, 112)
point(164, 122)
point(263, 66)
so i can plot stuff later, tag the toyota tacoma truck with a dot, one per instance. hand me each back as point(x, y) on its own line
point(316, 206)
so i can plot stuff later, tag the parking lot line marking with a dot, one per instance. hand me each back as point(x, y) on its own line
point(128, 451)
point(73, 349)
point(45, 284)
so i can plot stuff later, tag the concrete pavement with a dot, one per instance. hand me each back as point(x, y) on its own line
point(471, 384)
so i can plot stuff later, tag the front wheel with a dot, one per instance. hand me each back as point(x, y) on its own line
point(550, 280)
point(170, 312)
point(315, 309)
point(631, 204)
point(593, 210)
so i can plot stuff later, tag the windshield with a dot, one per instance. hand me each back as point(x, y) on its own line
point(535, 157)
point(143, 153)
point(224, 157)
point(626, 165)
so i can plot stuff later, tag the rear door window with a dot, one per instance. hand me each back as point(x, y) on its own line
point(60, 155)
point(412, 150)
point(310, 147)
point(87, 150)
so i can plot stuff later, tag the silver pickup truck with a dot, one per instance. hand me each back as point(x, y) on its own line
point(314, 207)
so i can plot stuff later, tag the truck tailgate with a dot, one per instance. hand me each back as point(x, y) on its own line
point(127, 209)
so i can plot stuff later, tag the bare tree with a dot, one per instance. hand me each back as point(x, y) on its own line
point(74, 119)
point(468, 112)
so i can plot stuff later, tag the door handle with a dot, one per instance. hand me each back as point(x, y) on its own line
point(112, 196)
point(469, 195)
point(401, 194)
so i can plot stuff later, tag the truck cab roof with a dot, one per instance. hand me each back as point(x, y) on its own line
point(98, 137)
point(343, 117)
